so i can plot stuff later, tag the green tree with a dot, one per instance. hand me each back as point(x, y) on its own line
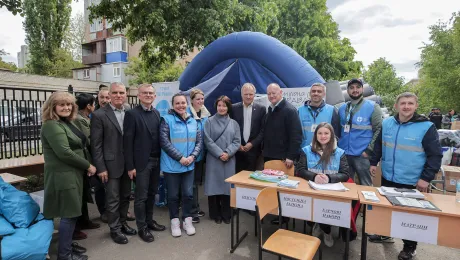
point(6, 65)
point(45, 24)
point(75, 36)
point(439, 66)
point(141, 72)
point(381, 75)
point(63, 64)
point(14, 6)
point(308, 28)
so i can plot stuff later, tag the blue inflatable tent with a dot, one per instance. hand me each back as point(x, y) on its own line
point(227, 63)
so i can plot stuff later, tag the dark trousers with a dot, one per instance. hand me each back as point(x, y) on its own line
point(246, 161)
point(361, 166)
point(66, 228)
point(117, 204)
point(99, 193)
point(198, 172)
point(176, 183)
point(219, 207)
point(84, 218)
point(266, 159)
point(146, 188)
point(387, 183)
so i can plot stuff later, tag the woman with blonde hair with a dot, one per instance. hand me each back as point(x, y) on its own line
point(198, 111)
point(66, 161)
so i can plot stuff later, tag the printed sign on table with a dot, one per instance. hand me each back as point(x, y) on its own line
point(332, 212)
point(414, 227)
point(296, 206)
point(246, 198)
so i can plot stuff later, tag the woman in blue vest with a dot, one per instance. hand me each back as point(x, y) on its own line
point(323, 162)
point(181, 143)
point(201, 114)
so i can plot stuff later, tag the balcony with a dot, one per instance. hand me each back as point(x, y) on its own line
point(93, 52)
point(96, 58)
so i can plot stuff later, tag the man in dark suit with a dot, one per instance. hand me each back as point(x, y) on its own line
point(250, 117)
point(108, 157)
point(141, 130)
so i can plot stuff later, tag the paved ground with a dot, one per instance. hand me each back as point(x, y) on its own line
point(212, 242)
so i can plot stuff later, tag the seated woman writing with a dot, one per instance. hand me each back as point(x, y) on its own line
point(323, 162)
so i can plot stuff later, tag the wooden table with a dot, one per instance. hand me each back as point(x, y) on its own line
point(12, 179)
point(327, 207)
point(421, 225)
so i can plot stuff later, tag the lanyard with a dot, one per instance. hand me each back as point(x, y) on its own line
point(314, 114)
point(350, 110)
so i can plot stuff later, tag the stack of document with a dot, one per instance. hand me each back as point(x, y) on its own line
point(370, 196)
point(329, 186)
point(388, 191)
point(264, 177)
point(289, 184)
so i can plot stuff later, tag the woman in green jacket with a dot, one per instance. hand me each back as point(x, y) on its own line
point(66, 161)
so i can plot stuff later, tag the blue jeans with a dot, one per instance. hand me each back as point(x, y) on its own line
point(66, 228)
point(176, 182)
point(361, 166)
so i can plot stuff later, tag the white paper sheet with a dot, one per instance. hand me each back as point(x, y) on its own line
point(414, 227)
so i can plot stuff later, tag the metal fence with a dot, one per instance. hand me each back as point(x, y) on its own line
point(20, 120)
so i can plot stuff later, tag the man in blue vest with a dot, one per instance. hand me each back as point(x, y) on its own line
point(316, 111)
point(361, 121)
point(411, 155)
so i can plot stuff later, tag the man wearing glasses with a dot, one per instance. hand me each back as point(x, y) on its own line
point(142, 157)
point(361, 122)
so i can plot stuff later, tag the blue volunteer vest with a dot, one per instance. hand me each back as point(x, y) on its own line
point(360, 135)
point(183, 137)
point(313, 159)
point(403, 156)
point(201, 129)
point(309, 117)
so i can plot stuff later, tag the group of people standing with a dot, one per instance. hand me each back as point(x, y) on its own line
point(120, 145)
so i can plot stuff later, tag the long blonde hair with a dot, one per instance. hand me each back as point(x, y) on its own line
point(49, 111)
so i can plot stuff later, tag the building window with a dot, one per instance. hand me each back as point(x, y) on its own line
point(96, 25)
point(117, 44)
point(116, 70)
point(86, 74)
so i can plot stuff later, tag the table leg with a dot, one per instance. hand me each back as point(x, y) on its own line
point(364, 237)
point(238, 238)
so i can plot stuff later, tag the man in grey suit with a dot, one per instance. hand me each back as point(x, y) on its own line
point(250, 117)
point(108, 157)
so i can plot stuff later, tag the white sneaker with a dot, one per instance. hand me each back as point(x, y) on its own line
point(188, 226)
point(175, 227)
point(317, 231)
point(328, 240)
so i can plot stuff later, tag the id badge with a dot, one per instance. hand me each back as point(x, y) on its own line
point(313, 128)
point(346, 128)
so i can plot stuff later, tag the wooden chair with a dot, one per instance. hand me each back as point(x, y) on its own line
point(279, 165)
point(283, 243)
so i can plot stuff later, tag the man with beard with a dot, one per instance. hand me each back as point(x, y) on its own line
point(436, 117)
point(316, 111)
point(361, 122)
point(103, 97)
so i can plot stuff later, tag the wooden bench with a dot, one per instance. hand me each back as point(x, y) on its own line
point(24, 166)
point(12, 179)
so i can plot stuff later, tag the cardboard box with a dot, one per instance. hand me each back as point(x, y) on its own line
point(455, 125)
point(377, 180)
point(452, 175)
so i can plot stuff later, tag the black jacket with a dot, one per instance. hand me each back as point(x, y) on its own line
point(257, 124)
point(139, 139)
point(430, 144)
point(436, 119)
point(282, 132)
point(168, 147)
point(301, 170)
